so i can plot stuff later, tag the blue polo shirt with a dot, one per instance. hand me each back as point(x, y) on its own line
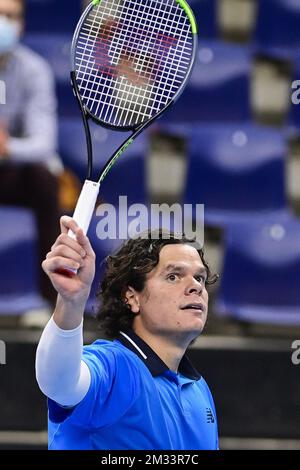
point(136, 403)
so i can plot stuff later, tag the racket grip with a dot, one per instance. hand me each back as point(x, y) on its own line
point(85, 206)
point(83, 212)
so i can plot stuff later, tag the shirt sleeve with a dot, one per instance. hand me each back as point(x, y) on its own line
point(114, 387)
point(60, 371)
point(39, 120)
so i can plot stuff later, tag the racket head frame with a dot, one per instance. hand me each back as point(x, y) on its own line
point(94, 4)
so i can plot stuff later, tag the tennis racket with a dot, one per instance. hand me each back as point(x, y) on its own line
point(131, 60)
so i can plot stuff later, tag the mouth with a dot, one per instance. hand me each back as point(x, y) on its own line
point(194, 306)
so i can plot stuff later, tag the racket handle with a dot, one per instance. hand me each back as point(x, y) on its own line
point(83, 214)
point(85, 206)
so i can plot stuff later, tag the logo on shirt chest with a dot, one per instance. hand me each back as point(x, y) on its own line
point(209, 416)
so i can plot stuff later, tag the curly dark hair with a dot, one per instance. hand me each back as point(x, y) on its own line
point(129, 267)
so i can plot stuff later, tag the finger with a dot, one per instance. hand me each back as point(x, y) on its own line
point(51, 266)
point(66, 252)
point(85, 243)
point(65, 240)
point(67, 223)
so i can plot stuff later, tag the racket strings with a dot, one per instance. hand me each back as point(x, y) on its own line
point(131, 58)
point(128, 91)
point(163, 38)
point(128, 97)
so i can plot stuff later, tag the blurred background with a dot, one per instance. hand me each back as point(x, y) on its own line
point(232, 142)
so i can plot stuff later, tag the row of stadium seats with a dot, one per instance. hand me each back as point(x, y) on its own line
point(276, 32)
point(245, 162)
point(259, 280)
point(220, 83)
point(58, 16)
point(260, 274)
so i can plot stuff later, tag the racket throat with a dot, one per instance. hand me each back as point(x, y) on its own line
point(84, 116)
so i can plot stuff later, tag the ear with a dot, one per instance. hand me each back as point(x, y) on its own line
point(131, 297)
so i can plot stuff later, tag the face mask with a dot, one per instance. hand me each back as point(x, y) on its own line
point(9, 34)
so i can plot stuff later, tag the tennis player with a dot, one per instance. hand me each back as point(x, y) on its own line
point(138, 391)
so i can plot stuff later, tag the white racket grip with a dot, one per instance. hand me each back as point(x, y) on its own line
point(85, 206)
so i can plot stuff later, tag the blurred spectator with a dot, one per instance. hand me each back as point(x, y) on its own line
point(29, 166)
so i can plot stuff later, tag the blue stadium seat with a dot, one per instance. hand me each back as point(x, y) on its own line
point(237, 171)
point(19, 262)
point(260, 279)
point(206, 15)
point(219, 88)
point(52, 15)
point(277, 31)
point(55, 48)
point(127, 177)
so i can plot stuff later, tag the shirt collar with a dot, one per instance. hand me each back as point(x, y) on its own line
point(155, 365)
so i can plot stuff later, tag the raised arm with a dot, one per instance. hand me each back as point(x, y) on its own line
point(73, 291)
point(60, 371)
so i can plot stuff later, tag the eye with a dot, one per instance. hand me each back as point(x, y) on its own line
point(201, 278)
point(172, 277)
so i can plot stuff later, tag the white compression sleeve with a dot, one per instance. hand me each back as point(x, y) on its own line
point(60, 371)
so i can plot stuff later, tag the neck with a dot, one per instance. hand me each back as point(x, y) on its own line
point(168, 349)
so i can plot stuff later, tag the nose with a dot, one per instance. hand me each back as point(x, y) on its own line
point(194, 286)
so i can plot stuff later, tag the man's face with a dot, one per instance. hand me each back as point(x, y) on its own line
point(174, 300)
point(12, 9)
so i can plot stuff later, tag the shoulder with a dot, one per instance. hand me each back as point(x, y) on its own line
point(110, 348)
point(114, 347)
point(203, 384)
point(112, 356)
point(206, 391)
point(113, 369)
